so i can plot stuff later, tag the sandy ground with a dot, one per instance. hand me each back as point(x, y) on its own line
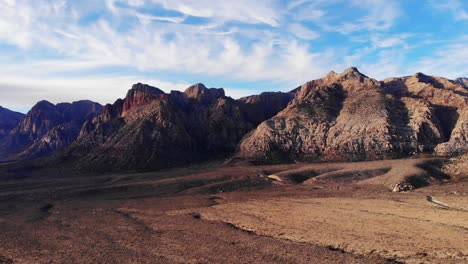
point(405, 226)
point(235, 214)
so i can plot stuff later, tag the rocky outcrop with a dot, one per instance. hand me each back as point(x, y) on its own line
point(198, 93)
point(455, 167)
point(350, 116)
point(8, 120)
point(145, 137)
point(448, 103)
point(265, 105)
point(149, 129)
point(46, 128)
point(140, 94)
point(463, 81)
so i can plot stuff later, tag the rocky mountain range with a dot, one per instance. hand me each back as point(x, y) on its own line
point(345, 116)
point(8, 120)
point(150, 129)
point(350, 116)
point(45, 129)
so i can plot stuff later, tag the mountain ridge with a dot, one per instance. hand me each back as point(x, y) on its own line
point(342, 116)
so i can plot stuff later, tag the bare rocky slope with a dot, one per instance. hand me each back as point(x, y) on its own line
point(350, 116)
point(8, 120)
point(45, 129)
point(149, 129)
point(463, 81)
point(340, 117)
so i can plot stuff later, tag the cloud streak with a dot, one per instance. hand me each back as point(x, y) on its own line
point(276, 44)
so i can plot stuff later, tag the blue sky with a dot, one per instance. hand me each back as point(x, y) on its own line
point(66, 50)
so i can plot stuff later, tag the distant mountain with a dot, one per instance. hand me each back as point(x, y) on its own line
point(8, 120)
point(46, 128)
point(463, 81)
point(350, 116)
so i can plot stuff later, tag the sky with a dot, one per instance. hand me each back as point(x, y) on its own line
point(68, 50)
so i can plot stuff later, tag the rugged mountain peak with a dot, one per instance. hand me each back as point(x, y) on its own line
point(463, 81)
point(331, 73)
point(140, 94)
point(200, 93)
point(353, 80)
point(46, 128)
point(44, 104)
point(145, 88)
point(350, 80)
point(421, 77)
point(352, 71)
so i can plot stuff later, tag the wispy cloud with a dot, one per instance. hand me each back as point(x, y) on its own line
point(449, 60)
point(456, 7)
point(380, 15)
point(303, 32)
point(55, 46)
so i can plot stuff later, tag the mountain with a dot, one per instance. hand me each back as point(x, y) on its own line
point(8, 120)
point(265, 105)
point(342, 116)
point(149, 129)
point(46, 128)
point(350, 116)
point(463, 81)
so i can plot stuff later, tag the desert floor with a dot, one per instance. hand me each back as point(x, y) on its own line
point(238, 213)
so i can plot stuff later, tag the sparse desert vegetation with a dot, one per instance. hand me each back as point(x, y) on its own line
point(231, 213)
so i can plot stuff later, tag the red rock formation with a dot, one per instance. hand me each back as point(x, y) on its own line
point(139, 95)
point(155, 130)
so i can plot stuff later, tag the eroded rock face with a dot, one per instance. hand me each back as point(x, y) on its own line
point(265, 105)
point(8, 120)
point(46, 128)
point(350, 116)
point(161, 130)
point(463, 81)
point(346, 116)
point(139, 95)
point(198, 93)
point(148, 136)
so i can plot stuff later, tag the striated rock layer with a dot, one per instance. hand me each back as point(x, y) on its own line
point(350, 116)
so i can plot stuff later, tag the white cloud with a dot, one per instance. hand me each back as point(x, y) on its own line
point(246, 11)
point(456, 7)
point(302, 32)
point(235, 41)
point(449, 60)
point(381, 15)
point(183, 48)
